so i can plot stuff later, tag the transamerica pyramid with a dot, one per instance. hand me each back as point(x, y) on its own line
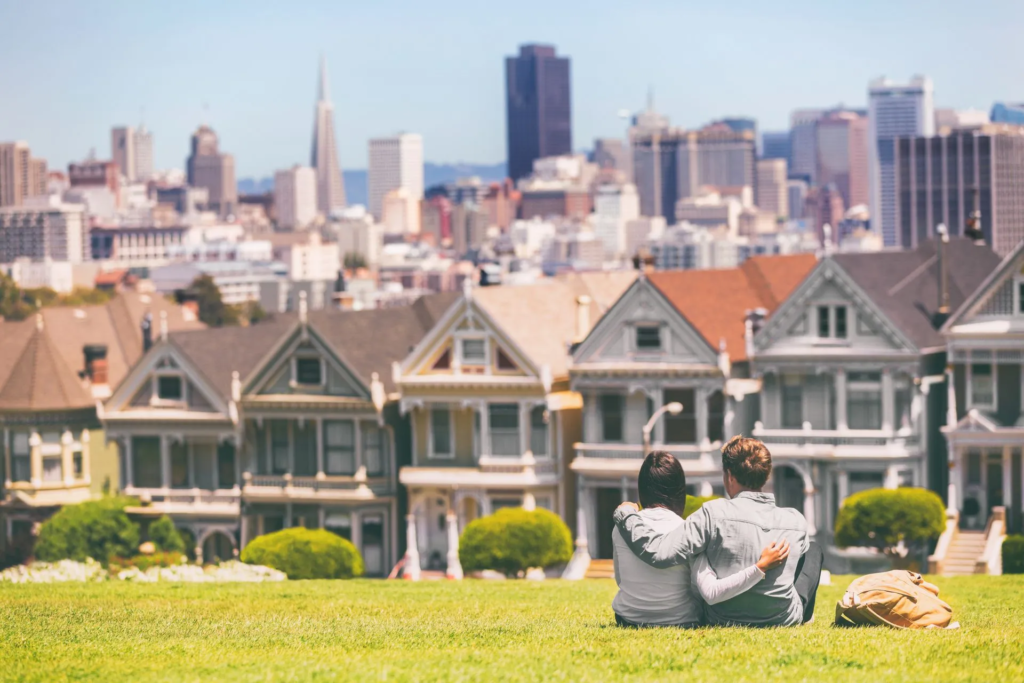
point(330, 189)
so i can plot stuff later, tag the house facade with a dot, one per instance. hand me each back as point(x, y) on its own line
point(848, 365)
point(984, 424)
point(54, 367)
point(238, 432)
point(486, 392)
point(673, 337)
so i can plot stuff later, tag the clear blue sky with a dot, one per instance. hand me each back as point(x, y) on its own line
point(69, 70)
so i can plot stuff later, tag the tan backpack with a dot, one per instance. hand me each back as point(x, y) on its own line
point(899, 598)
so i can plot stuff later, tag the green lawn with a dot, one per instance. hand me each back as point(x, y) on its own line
point(470, 631)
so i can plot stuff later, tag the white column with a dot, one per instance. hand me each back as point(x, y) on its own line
point(701, 396)
point(1008, 478)
point(888, 401)
point(841, 399)
point(244, 535)
point(291, 448)
point(35, 446)
point(357, 530)
point(412, 552)
point(358, 445)
point(524, 426)
point(485, 429)
point(319, 448)
point(809, 507)
point(728, 417)
point(5, 445)
point(165, 462)
point(624, 489)
point(844, 487)
point(288, 516)
point(591, 419)
point(129, 474)
point(454, 570)
point(66, 462)
point(706, 489)
point(580, 562)
point(892, 477)
point(529, 501)
point(952, 492)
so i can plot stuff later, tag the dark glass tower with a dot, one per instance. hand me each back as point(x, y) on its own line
point(538, 99)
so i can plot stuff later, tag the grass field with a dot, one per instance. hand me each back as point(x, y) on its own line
point(470, 631)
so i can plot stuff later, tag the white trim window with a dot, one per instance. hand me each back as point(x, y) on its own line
point(169, 388)
point(647, 338)
point(473, 351)
point(864, 400)
point(442, 432)
point(308, 371)
point(981, 385)
point(833, 321)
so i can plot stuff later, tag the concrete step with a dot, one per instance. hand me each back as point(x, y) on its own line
point(601, 569)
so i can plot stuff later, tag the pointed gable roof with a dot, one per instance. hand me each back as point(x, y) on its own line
point(39, 379)
point(904, 285)
point(715, 301)
point(981, 295)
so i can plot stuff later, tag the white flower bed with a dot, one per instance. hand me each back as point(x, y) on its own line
point(232, 571)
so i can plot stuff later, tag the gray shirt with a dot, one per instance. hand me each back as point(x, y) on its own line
point(732, 533)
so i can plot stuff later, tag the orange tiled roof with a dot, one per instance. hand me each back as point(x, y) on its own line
point(715, 301)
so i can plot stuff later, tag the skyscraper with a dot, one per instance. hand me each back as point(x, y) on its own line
point(772, 189)
point(395, 162)
point(122, 150)
point(330, 190)
point(803, 140)
point(143, 154)
point(775, 145)
point(539, 107)
point(1008, 113)
point(979, 169)
point(842, 147)
point(295, 197)
point(21, 176)
point(893, 110)
point(210, 169)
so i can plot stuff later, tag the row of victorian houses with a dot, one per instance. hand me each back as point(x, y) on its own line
point(397, 427)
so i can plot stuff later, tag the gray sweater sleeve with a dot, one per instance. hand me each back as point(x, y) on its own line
point(667, 549)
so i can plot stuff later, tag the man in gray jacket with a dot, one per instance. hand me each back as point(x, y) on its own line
point(732, 534)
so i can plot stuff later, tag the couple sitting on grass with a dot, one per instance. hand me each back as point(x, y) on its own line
point(735, 561)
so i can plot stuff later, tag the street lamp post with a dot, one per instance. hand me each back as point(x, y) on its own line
point(674, 408)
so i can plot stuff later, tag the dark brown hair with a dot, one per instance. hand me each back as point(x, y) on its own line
point(662, 482)
point(748, 461)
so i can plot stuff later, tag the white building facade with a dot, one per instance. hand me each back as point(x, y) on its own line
point(295, 198)
point(395, 162)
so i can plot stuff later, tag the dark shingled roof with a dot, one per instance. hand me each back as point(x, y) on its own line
point(905, 284)
point(366, 341)
point(40, 379)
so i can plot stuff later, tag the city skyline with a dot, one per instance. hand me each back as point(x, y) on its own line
point(451, 92)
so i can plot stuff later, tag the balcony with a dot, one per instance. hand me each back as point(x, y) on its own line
point(47, 493)
point(615, 459)
point(185, 502)
point(284, 487)
point(826, 443)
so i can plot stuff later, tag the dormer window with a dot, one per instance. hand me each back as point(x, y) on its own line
point(308, 371)
point(473, 351)
point(170, 388)
point(648, 338)
point(832, 322)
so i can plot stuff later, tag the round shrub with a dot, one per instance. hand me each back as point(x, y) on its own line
point(165, 536)
point(305, 554)
point(99, 529)
point(513, 540)
point(881, 518)
point(1013, 555)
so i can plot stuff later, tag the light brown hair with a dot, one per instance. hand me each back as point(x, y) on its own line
point(748, 461)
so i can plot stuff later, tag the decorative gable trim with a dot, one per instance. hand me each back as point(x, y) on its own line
point(162, 358)
point(618, 316)
point(787, 316)
point(990, 296)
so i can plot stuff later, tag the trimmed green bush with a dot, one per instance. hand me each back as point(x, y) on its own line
point(305, 554)
point(513, 540)
point(881, 518)
point(99, 529)
point(1013, 555)
point(694, 503)
point(144, 562)
point(165, 536)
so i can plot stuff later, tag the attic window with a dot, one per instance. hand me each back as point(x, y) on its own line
point(648, 337)
point(444, 361)
point(474, 352)
point(308, 371)
point(170, 388)
point(504, 362)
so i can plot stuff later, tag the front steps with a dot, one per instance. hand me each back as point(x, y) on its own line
point(601, 569)
point(964, 553)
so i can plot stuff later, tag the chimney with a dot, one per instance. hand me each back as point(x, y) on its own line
point(582, 317)
point(96, 369)
point(753, 322)
point(147, 331)
point(943, 247)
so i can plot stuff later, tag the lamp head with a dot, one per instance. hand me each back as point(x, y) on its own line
point(674, 408)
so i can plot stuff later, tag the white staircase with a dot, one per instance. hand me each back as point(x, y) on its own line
point(965, 550)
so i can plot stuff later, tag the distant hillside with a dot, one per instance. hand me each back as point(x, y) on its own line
point(356, 185)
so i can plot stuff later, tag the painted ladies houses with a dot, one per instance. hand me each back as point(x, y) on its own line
point(985, 422)
point(674, 337)
point(852, 366)
point(487, 394)
point(237, 432)
point(54, 367)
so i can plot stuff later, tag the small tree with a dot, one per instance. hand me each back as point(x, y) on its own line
point(99, 529)
point(513, 540)
point(305, 554)
point(354, 260)
point(212, 309)
point(1013, 555)
point(882, 518)
point(694, 503)
point(165, 536)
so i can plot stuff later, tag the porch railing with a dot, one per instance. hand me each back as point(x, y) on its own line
point(505, 442)
point(307, 483)
point(636, 451)
point(991, 560)
point(830, 437)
